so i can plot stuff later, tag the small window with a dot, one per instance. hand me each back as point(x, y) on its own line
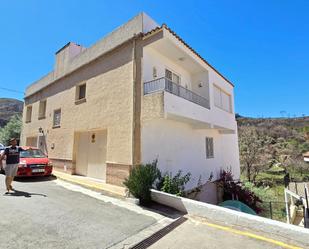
point(42, 109)
point(80, 93)
point(28, 114)
point(57, 118)
point(209, 147)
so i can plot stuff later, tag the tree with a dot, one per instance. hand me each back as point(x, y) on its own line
point(254, 156)
point(12, 129)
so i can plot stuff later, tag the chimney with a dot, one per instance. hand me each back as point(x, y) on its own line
point(64, 56)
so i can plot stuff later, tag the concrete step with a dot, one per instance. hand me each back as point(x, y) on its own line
point(91, 183)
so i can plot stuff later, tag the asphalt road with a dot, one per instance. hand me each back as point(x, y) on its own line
point(42, 214)
point(47, 213)
point(197, 235)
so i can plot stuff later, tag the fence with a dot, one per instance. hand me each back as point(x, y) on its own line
point(275, 210)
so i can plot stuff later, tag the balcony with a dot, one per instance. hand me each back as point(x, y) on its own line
point(164, 84)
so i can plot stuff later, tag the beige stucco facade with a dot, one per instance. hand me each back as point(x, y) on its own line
point(107, 106)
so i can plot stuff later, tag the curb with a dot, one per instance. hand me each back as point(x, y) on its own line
point(91, 184)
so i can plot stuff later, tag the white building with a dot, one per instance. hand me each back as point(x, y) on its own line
point(193, 126)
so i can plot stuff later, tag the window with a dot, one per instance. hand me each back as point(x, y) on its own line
point(57, 118)
point(28, 114)
point(172, 76)
point(222, 99)
point(80, 93)
point(42, 109)
point(209, 147)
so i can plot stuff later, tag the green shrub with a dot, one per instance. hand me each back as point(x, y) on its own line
point(175, 185)
point(141, 180)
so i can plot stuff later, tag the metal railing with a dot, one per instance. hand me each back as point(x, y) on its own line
point(164, 84)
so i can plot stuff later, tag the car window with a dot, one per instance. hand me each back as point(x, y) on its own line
point(34, 153)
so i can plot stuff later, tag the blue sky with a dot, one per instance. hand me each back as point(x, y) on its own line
point(261, 46)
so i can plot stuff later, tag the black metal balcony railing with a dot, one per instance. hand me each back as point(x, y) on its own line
point(164, 84)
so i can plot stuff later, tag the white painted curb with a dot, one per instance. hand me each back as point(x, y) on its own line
point(217, 213)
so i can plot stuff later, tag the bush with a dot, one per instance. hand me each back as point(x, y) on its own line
point(236, 191)
point(141, 180)
point(174, 185)
point(12, 129)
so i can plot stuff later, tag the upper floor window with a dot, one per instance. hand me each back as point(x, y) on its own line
point(57, 118)
point(42, 109)
point(172, 76)
point(222, 99)
point(209, 147)
point(80, 93)
point(28, 114)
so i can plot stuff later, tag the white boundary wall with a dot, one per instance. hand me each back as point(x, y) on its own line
point(216, 213)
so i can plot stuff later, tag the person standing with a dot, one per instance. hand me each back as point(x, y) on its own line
point(11, 155)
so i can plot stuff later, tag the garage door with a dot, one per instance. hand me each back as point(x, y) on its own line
point(31, 141)
point(91, 154)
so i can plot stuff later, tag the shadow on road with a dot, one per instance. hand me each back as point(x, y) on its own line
point(164, 210)
point(35, 179)
point(23, 193)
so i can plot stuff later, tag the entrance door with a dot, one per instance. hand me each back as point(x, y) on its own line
point(91, 154)
point(81, 153)
point(97, 155)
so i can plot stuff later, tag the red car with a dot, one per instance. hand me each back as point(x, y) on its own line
point(33, 162)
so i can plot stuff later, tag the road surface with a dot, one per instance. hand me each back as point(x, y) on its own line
point(42, 214)
point(48, 213)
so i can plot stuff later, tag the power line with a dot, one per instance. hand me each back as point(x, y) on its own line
point(10, 90)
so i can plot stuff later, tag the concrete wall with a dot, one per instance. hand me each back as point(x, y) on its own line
point(108, 106)
point(231, 217)
point(178, 146)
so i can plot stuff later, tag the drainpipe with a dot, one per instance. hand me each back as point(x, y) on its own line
point(137, 94)
point(134, 98)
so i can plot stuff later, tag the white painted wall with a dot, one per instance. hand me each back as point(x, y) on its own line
point(233, 217)
point(217, 80)
point(174, 105)
point(177, 146)
point(175, 140)
point(216, 116)
point(152, 58)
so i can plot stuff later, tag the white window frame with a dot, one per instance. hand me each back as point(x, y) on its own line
point(220, 106)
point(28, 113)
point(173, 74)
point(79, 100)
point(42, 112)
point(56, 125)
point(209, 145)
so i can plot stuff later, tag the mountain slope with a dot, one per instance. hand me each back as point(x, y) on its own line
point(9, 108)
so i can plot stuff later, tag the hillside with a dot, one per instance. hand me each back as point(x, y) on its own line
point(299, 122)
point(265, 142)
point(286, 127)
point(8, 108)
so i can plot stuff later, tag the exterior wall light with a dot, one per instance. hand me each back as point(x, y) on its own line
point(154, 72)
point(93, 138)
